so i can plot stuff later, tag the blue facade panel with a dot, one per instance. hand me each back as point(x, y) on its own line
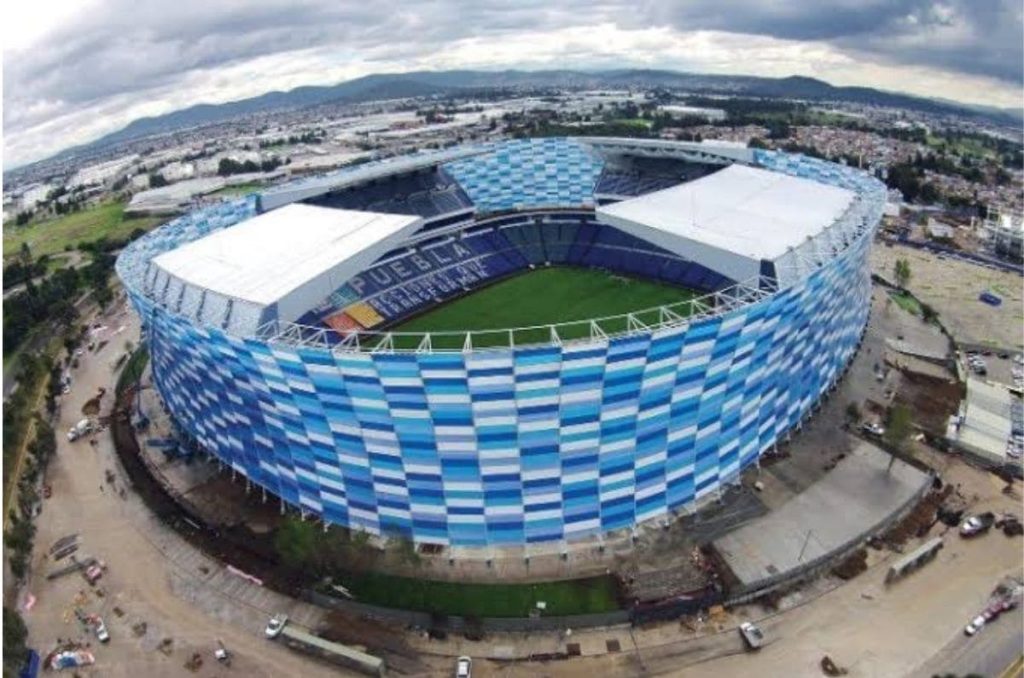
point(512, 445)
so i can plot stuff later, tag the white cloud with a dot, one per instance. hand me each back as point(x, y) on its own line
point(92, 82)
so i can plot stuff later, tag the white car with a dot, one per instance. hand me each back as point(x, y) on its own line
point(975, 625)
point(753, 635)
point(974, 525)
point(275, 625)
point(463, 667)
point(102, 634)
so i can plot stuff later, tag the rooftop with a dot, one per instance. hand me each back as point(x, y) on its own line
point(735, 217)
point(287, 256)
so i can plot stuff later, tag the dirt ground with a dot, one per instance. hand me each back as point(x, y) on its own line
point(871, 629)
point(952, 287)
point(140, 585)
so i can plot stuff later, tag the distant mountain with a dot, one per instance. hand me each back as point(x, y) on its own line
point(364, 89)
point(429, 83)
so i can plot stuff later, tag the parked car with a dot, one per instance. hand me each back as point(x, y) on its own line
point(752, 635)
point(873, 428)
point(100, 628)
point(974, 625)
point(275, 625)
point(993, 610)
point(978, 524)
point(463, 667)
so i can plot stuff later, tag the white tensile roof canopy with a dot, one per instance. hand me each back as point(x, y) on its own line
point(286, 260)
point(733, 219)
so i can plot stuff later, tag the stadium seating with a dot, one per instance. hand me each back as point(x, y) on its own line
point(342, 323)
point(529, 173)
point(407, 281)
point(628, 177)
point(427, 193)
point(364, 314)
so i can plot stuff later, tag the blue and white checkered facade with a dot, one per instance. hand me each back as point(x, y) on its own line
point(510, 446)
point(530, 173)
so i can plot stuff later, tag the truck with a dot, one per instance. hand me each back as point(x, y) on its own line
point(298, 639)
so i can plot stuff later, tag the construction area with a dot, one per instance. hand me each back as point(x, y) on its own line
point(170, 595)
point(952, 288)
point(865, 490)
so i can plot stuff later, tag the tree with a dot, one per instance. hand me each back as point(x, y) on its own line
point(778, 130)
point(19, 540)
point(156, 180)
point(405, 550)
point(898, 427)
point(852, 413)
point(901, 272)
point(15, 635)
point(296, 542)
point(930, 193)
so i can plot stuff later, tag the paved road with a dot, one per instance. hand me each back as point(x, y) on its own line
point(989, 653)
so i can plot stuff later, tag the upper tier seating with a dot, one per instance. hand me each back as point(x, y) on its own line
point(427, 193)
point(632, 176)
point(529, 173)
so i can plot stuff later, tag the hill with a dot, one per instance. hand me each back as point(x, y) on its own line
point(439, 83)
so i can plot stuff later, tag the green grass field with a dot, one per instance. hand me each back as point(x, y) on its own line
point(51, 237)
point(907, 303)
point(579, 596)
point(540, 297)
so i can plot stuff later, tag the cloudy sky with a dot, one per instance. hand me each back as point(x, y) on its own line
point(75, 70)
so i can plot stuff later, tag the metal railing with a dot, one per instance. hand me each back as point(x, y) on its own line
point(651, 319)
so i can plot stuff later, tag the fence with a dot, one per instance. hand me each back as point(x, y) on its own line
point(666, 610)
point(823, 562)
point(455, 624)
point(970, 257)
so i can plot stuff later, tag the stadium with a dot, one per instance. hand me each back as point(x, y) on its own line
point(513, 342)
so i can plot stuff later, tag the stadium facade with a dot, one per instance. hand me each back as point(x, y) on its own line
point(268, 320)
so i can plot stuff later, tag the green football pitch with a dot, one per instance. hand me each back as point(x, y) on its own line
point(543, 296)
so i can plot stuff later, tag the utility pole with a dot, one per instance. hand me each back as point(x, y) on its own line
point(803, 548)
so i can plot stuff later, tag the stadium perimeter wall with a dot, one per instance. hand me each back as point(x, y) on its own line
point(509, 446)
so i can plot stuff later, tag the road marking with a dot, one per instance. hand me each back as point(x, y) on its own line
point(1015, 669)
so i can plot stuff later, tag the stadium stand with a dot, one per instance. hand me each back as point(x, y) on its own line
point(630, 176)
point(342, 323)
point(428, 193)
point(529, 173)
point(405, 282)
point(364, 314)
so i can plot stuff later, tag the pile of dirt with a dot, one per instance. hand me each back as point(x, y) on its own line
point(852, 565)
point(932, 400)
point(91, 408)
point(376, 637)
point(919, 520)
point(349, 629)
